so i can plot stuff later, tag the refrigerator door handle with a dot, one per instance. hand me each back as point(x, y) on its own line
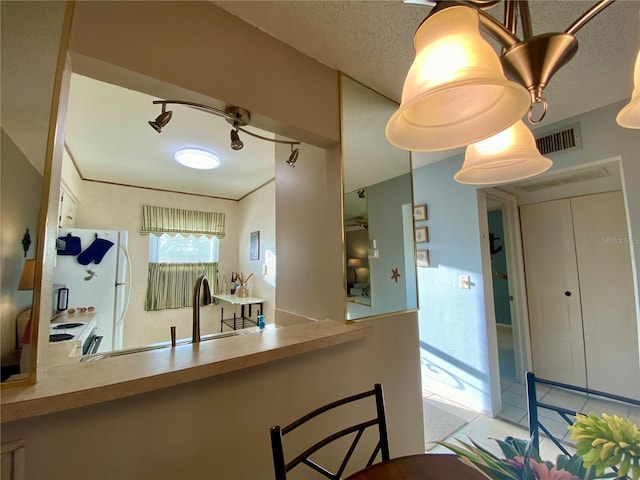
point(127, 283)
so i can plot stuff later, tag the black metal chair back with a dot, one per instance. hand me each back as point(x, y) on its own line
point(278, 433)
point(533, 405)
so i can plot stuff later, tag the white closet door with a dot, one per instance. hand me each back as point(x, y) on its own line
point(608, 300)
point(553, 292)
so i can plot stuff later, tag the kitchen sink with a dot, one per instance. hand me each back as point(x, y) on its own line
point(158, 346)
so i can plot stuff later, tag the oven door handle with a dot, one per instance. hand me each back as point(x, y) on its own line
point(94, 345)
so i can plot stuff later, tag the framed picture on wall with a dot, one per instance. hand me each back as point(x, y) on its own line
point(422, 257)
point(254, 246)
point(419, 213)
point(422, 235)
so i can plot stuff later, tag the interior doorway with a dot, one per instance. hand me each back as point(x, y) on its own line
point(586, 179)
point(501, 297)
point(502, 263)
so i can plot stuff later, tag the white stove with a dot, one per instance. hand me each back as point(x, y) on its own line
point(73, 332)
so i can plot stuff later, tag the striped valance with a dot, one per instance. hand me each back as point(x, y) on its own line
point(159, 220)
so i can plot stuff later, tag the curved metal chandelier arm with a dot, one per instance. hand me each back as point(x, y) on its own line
point(491, 25)
point(286, 142)
point(497, 30)
point(588, 15)
point(198, 106)
point(506, 34)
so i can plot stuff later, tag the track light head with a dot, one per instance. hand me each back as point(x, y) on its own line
point(236, 143)
point(293, 157)
point(161, 120)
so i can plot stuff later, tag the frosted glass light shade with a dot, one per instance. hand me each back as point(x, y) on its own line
point(508, 156)
point(455, 92)
point(629, 116)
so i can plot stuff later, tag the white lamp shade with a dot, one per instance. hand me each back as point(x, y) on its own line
point(508, 156)
point(629, 116)
point(455, 92)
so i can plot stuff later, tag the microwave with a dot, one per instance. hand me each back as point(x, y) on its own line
point(60, 299)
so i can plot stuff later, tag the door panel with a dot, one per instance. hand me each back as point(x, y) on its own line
point(608, 299)
point(553, 292)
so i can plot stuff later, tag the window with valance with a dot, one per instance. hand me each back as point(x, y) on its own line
point(171, 277)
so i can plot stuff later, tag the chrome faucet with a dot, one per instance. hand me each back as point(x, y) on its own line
point(206, 300)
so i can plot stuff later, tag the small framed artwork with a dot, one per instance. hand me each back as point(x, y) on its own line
point(419, 213)
point(422, 258)
point(254, 246)
point(422, 235)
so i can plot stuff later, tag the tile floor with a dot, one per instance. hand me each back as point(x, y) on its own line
point(513, 420)
point(481, 428)
point(446, 420)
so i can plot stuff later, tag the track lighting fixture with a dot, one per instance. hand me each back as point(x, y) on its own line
point(456, 92)
point(236, 143)
point(161, 120)
point(236, 116)
point(293, 157)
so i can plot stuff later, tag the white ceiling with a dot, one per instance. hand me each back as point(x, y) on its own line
point(371, 41)
point(109, 139)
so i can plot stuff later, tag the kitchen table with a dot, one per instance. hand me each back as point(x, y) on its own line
point(243, 302)
point(427, 466)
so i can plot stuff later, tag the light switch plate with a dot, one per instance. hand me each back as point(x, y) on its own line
point(465, 281)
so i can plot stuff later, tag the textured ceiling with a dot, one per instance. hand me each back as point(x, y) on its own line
point(372, 41)
point(29, 57)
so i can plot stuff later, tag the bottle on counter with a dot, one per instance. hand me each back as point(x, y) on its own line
point(233, 283)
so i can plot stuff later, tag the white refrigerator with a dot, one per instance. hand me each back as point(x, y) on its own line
point(94, 265)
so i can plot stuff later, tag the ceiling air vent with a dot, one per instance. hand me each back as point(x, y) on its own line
point(560, 141)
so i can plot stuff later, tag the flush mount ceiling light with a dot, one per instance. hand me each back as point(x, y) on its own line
point(197, 158)
point(456, 92)
point(236, 116)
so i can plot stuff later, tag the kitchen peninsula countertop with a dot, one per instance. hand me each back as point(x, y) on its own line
point(65, 387)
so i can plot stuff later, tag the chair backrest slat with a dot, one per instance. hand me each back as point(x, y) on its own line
point(281, 466)
point(534, 404)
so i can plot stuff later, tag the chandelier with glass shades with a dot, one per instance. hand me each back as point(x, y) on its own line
point(456, 93)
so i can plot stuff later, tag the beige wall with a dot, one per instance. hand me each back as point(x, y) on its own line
point(218, 428)
point(20, 204)
point(204, 49)
point(257, 212)
point(309, 226)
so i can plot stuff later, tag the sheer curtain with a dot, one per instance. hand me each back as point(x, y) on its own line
point(170, 285)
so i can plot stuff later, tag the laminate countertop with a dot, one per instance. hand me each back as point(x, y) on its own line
point(69, 386)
